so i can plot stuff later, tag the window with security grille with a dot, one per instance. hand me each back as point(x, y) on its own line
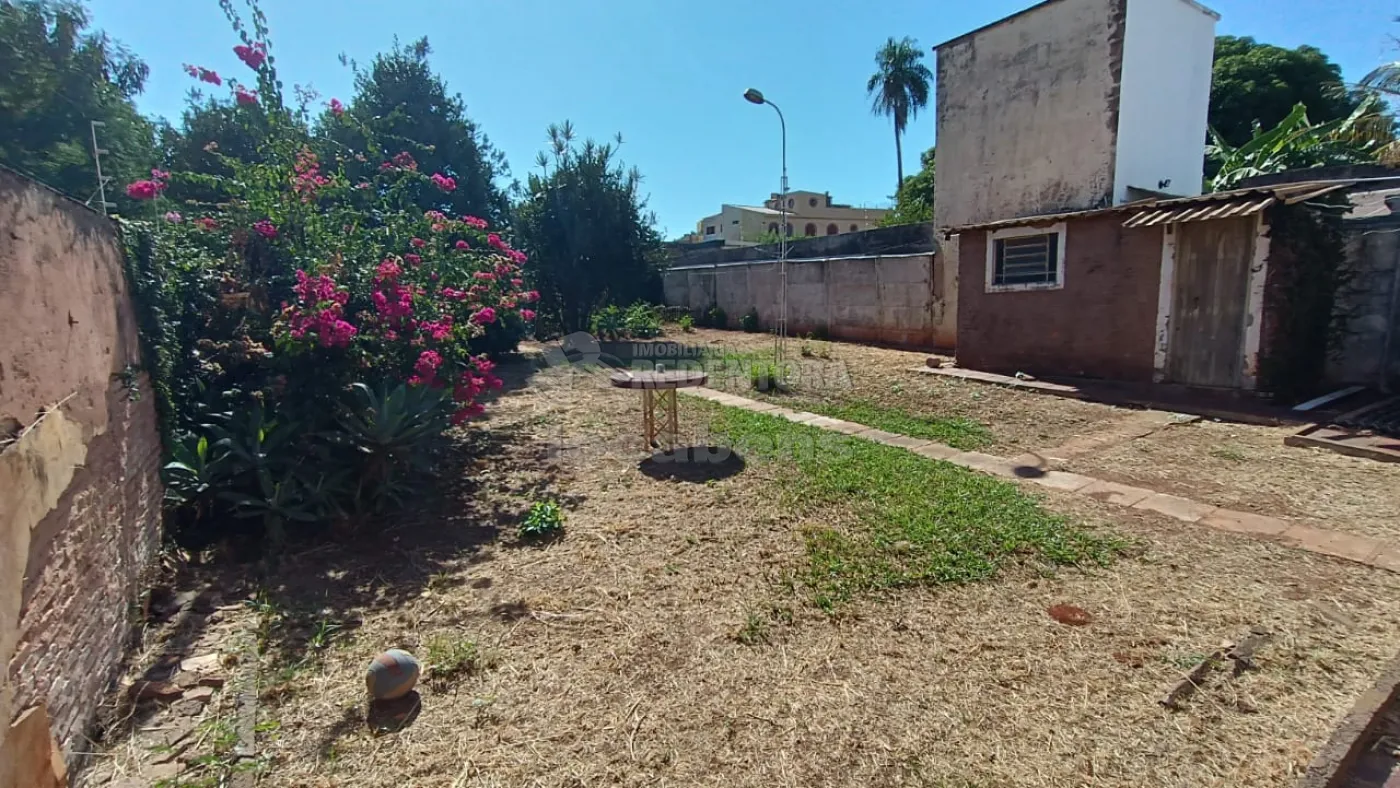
point(1027, 260)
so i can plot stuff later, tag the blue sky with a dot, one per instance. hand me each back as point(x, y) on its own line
point(669, 75)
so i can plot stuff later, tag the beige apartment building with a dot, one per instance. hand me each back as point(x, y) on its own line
point(808, 214)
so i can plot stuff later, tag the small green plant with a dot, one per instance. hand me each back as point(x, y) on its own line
point(754, 631)
point(546, 518)
point(749, 322)
point(687, 323)
point(1228, 453)
point(450, 656)
point(767, 377)
point(642, 321)
point(610, 322)
point(323, 634)
point(716, 318)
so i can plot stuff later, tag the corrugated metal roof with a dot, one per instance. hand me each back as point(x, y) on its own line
point(1216, 205)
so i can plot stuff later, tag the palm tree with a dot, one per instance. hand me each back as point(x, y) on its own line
point(899, 88)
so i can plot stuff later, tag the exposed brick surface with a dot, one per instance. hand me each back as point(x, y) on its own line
point(81, 583)
point(1102, 323)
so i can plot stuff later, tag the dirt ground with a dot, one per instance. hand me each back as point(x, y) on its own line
point(1236, 465)
point(658, 642)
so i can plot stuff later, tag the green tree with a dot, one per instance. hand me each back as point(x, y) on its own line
point(1261, 83)
point(899, 88)
point(55, 78)
point(914, 202)
point(403, 104)
point(585, 225)
point(212, 134)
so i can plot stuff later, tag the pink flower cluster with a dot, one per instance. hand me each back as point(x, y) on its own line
point(392, 300)
point(307, 178)
point(337, 109)
point(469, 387)
point(203, 74)
point(401, 161)
point(148, 189)
point(265, 228)
point(320, 311)
point(474, 222)
point(244, 96)
point(252, 56)
point(443, 182)
point(425, 369)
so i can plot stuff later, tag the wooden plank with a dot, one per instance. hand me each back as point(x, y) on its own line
point(1317, 402)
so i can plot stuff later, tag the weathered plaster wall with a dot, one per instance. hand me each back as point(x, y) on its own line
point(1027, 114)
point(887, 299)
point(1168, 51)
point(79, 514)
point(1369, 352)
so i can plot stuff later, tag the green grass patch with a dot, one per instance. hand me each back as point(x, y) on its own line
point(958, 431)
point(913, 521)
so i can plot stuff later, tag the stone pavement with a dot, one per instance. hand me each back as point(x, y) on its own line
point(1352, 547)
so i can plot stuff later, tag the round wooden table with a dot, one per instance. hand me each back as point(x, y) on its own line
point(658, 400)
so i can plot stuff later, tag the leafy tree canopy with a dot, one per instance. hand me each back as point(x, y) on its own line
point(586, 226)
point(914, 202)
point(55, 78)
point(406, 107)
point(1254, 82)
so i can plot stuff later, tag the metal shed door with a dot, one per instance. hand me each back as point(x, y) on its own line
point(1209, 301)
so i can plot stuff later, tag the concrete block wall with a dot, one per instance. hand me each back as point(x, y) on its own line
point(884, 299)
point(80, 492)
point(1368, 304)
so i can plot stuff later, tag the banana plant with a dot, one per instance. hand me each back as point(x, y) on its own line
point(1297, 143)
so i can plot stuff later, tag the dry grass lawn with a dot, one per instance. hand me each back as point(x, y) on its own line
point(662, 641)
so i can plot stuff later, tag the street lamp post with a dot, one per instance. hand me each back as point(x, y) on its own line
point(780, 339)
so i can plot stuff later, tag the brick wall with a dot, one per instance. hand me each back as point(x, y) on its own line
point(1101, 324)
point(79, 520)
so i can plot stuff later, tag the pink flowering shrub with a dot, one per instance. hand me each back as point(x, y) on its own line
point(305, 289)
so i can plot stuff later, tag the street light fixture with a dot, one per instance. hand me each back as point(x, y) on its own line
point(754, 96)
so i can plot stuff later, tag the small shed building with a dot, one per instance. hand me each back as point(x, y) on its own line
point(1230, 290)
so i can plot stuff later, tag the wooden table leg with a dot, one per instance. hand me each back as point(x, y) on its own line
point(672, 429)
point(648, 419)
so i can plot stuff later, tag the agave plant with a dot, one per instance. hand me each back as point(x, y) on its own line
point(388, 432)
